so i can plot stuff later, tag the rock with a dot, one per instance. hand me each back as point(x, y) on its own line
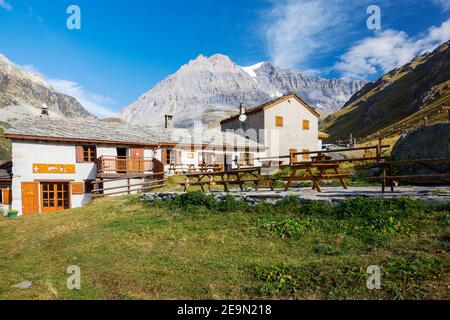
point(23, 285)
point(212, 86)
point(429, 142)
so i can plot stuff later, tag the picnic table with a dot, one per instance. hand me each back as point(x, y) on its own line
point(214, 167)
point(234, 177)
point(181, 168)
point(315, 172)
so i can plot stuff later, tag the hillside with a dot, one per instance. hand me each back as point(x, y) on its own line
point(23, 93)
point(211, 88)
point(5, 144)
point(129, 250)
point(398, 101)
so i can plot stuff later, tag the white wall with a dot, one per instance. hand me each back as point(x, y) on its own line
point(27, 153)
point(291, 135)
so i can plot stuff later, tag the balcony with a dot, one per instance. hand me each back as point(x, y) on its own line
point(110, 165)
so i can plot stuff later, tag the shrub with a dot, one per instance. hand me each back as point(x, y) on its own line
point(230, 204)
point(191, 200)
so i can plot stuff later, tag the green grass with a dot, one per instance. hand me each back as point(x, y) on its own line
point(194, 248)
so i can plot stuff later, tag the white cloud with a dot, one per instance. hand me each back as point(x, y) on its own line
point(388, 50)
point(298, 30)
point(444, 4)
point(5, 5)
point(92, 102)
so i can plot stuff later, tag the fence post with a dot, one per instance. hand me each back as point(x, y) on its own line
point(380, 141)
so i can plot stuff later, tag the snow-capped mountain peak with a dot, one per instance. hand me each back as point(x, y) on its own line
point(250, 70)
point(211, 88)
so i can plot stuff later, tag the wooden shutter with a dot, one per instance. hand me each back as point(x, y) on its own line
point(279, 122)
point(77, 188)
point(164, 156)
point(6, 196)
point(305, 124)
point(30, 198)
point(79, 154)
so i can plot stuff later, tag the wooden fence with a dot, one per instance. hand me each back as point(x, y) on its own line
point(127, 185)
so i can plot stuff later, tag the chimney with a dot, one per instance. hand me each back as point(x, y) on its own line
point(168, 121)
point(44, 110)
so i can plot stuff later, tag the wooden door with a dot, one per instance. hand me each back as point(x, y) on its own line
point(137, 159)
point(30, 198)
point(55, 196)
point(5, 196)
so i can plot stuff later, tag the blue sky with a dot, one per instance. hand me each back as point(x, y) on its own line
point(125, 47)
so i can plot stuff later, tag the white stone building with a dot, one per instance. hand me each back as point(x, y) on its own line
point(285, 125)
point(55, 161)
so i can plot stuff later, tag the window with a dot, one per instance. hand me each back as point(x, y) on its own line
point(305, 124)
point(89, 153)
point(279, 122)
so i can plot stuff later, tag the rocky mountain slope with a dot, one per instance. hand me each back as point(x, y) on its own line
point(399, 101)
point(23, 93)
point(211, 88)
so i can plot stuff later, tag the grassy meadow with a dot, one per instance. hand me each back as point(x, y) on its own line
point(195, 248)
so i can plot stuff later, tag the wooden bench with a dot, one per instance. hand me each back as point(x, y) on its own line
point(234, 177)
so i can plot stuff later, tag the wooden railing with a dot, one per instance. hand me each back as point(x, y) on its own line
point(117, 165)
point(127, 185)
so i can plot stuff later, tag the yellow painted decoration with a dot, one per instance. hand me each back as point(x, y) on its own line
point(53, 168)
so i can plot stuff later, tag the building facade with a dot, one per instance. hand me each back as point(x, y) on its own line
point(57, 164)
point(284, 125)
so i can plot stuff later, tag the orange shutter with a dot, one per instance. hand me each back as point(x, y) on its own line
point(7, 196)
point(77, 188)
point(79, 154)
point(279, 122)
point(305, 124)
point(30, 198)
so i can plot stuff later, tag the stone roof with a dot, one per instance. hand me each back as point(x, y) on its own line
point(5, 169)
point(272, 103)
point(95, 131)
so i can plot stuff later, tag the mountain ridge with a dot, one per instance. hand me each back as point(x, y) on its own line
point(23, 93)
point(211, 88)
point(397, 102)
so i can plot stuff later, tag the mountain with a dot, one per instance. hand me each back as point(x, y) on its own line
point(211, 88)
point(23, 93)
point(398, 102)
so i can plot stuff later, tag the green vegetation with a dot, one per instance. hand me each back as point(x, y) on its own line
point(195, 248)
